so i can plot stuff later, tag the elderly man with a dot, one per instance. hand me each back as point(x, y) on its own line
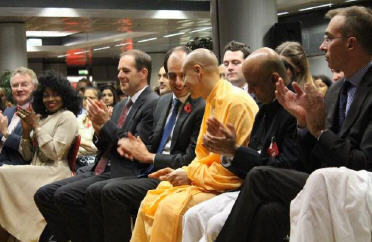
point(338, 132)
point(160, 215)
point(272, 143)
point(23, 82)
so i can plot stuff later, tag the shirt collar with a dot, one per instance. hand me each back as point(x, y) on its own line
point(137, 94)
point(182, 99)
point(357, 76)
point(25, 106)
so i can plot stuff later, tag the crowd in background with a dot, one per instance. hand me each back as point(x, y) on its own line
point(248, 149)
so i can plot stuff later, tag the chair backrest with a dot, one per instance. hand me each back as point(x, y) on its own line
point(72, 154)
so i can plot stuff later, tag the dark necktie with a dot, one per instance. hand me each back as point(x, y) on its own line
point(124, 113)
point(343, 103)
point(169, 126)
point(166, 133)
point(103, 161)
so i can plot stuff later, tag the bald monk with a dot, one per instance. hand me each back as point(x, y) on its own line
point(160, 215)
point(272, 143)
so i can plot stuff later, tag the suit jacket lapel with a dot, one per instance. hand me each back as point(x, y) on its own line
point(135, 107)
point(180, 120)
point(363, 91)
point(332, 104)
point(163, 117)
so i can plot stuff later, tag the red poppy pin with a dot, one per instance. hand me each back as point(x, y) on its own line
point(273, 149)
point(187, 108)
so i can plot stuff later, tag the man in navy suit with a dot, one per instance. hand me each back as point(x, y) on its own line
point(23, 82)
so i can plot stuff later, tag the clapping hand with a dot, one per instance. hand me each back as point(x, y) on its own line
point(98, 113)
point(220, 139)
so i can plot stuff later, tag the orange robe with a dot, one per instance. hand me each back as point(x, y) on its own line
point(160, 214)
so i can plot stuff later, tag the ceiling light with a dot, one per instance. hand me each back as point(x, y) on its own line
point(169, 14)
point(80, 52)
point(58, 12)
point(350, 1)
point(145, 40)
point(199, 30)
point(314, 7)
point(171, 35)
point(34, 42)
point(102, 48)
point(49, 33)
point(61, 56)
point(122, 44)
point(282, 13)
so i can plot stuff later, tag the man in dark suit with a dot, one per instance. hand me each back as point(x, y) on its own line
point(338, 131)
point(173, 145)
point(63, 203)
point(23, 82)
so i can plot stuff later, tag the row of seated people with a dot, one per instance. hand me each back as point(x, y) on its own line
point(155, 164)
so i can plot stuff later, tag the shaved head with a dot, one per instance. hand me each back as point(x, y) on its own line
point(266, 61)
point(203, 57)
point(201, 73)
point(261, 70)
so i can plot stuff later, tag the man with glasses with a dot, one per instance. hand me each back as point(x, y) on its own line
point(337, 131)
point(23, 82)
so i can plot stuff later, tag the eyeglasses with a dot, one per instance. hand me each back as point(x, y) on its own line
point(328, 39)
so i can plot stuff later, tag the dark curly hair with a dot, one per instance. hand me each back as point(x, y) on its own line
point(59, 84)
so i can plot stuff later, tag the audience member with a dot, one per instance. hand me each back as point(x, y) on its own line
point(272, 143)
point(221, 69)
point(108, 95)
point(163, 82)
point(322, 82)
point(23, 82)
point(293, 53)
point(339, 131)
point(87, 150)
point(63, 203)
point(4, 100)
point(121, 95)
point(46, 143)
point(173, 141)
point(337, 75)
point(81, 85)
point(235, 53)
point(160, 214)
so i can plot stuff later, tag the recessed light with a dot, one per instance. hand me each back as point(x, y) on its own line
point(282, 13)
point(101, 48)
point(145, 40)
point(314, 7)
point(171, 35)
point(199, 30)
point(49, 33)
